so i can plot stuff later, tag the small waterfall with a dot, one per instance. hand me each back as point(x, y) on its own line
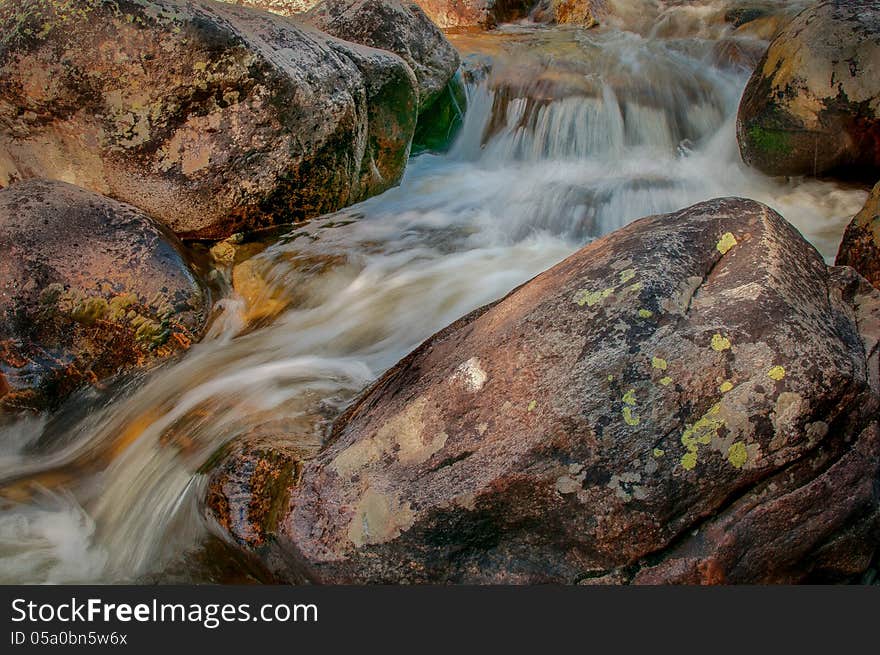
point(569, 136)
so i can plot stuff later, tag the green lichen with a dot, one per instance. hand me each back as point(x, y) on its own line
point(689, 460)
point(627, 275)
point(737, 454)
point(659, 363)
point(666, 381)
point(645, 313)
point(700, 434)
point(591, 298)
point(659, 452)
point(629, 417)
point(629, 398)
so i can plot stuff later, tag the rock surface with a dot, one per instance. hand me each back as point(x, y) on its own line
point(475, 13)
point(701, 412)
point(586, 13)
point(210, 117)
point(401, 28)
point(812, 106)
point(860, 247)
point(89, 287)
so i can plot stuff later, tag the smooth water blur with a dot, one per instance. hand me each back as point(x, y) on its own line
point(571, 135)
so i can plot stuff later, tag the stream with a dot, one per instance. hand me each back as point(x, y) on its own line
point(569, 135)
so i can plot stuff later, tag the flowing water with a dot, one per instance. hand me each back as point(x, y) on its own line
point(570, 135)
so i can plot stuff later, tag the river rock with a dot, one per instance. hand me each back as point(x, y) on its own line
point(403, 29)
point(812, 106)
point(281, 7)
point(210, 117)
point(585, 13)
point(484, 14)
point(700, 412)
point(89, 287)
point(860, 247)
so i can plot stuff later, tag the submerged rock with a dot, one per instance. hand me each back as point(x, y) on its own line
point(812, 106)
point(89, 287)
point(860, 247)
point(698, 411)
point(210, 117)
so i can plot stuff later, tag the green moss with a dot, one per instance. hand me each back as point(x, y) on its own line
point(769, 141)
point(439, 122)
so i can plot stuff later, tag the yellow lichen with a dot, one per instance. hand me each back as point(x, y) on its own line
point(726, 242)
point(726, 386)
point(737, 454)
point(659, 452)
point(629, 398)
point(720, 343)
point(776, 373)
point(591, 298)
point(645, 313)
point(532, 406)
point(659, 363)
point(627, 275)
point(666, 381)
point(629, 417)
point(689, 460)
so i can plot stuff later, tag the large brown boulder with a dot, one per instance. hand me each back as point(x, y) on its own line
point(812, 106)
point(860, 247)
point(688, 399)
point(401, 28)
point(210, 117)
point(89, 287)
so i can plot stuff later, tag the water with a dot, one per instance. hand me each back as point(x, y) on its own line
point(572, 135)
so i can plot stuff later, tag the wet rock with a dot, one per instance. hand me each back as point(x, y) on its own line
point(210, 117)
point(811, 106)
point(281, 7)
point(861, 241)
point(585, 13)
point(702, 412)
point(485, 14)
point(401, 28)
point(89, 287)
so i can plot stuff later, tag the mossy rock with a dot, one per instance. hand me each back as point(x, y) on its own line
point(90, 288)
point(439, 124)
point(812, 105)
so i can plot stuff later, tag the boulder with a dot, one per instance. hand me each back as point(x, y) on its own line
point(585, 13)
point(210, 117)
point(485, 14)
point(860, 247)
point(688, 399)
point(280, 7)
point(401, 28)
point(812, 106)
point(89, 287)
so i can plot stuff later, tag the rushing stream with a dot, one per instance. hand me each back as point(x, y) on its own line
point(571, 135)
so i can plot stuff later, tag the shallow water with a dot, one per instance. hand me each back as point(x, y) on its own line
point(571, 135)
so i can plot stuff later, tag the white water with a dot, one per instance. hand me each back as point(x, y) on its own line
point(111, 494)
